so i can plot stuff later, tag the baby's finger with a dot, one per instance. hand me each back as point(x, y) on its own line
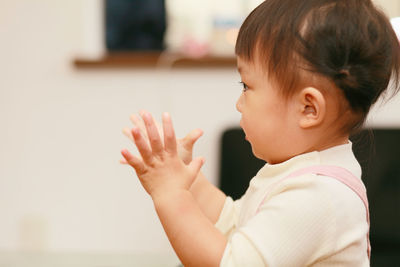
point(160, 130)
point(152, 133)
point(135, 162)
point(196, 165)
point(123, 161)
point(159, 127)
point(142, 146)
point(191, 138)
point(138, 123)
point(127, 132)
point(169, 134)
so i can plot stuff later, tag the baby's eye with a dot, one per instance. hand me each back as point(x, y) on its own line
point(245, 87)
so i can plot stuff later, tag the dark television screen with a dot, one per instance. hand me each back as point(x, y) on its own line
point(134, 25)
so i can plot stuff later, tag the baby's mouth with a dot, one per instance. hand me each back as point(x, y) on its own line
point(241, 126)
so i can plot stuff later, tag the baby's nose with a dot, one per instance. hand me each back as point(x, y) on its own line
point(238, 105)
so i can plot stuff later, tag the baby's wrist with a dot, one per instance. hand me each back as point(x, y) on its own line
point(169, 195)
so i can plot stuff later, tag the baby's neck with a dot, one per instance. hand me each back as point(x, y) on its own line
point(324, 146)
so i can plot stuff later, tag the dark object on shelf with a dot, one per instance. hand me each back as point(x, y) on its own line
point(135, 25)
point(377, 151)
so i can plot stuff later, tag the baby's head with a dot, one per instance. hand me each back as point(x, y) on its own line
point(319, 65)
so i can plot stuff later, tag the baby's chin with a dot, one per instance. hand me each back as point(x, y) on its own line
point(271, 157)
point(258, 155)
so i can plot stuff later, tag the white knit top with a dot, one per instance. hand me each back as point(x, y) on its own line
point(308, 220)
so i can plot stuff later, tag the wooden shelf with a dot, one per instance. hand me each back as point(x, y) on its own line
point(154, 60)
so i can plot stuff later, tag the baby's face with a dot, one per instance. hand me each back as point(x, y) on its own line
point(266, 118)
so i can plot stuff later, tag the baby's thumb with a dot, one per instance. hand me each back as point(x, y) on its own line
point(191, 138)
point(196, 165)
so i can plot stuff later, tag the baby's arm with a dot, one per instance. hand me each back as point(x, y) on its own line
point(168, 180)
point(194, 238)
point(210, 199)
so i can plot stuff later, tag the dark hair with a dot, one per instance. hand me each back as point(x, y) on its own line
point(349, 42)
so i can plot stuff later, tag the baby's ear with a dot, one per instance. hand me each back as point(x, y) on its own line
point(312, 107)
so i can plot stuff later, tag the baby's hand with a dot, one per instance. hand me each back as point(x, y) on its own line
point(185, 145)
point(160, 169)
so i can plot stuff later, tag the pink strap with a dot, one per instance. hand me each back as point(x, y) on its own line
point(338, 173)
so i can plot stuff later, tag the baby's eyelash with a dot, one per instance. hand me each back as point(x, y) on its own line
point(245, 87)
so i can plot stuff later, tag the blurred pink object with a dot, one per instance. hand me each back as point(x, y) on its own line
point(195, 49)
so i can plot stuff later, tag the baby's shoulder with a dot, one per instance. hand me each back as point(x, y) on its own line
point(322, 191)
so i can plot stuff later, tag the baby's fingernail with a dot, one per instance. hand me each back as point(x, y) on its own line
point(166, 115)
point(144, 113)
point(148, 119)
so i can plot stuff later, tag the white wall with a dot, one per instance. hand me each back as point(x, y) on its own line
point(391, 7)
point(61, 186)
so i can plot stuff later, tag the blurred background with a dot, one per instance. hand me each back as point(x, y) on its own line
point(70, 76)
